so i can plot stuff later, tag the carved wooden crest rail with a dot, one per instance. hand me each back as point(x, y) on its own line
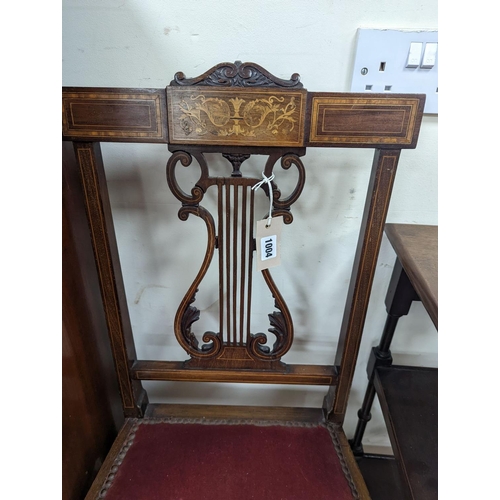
point(237, 110)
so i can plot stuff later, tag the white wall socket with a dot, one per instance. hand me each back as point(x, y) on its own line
point(397, 61)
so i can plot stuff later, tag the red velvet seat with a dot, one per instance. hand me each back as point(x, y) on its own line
point(190, 459)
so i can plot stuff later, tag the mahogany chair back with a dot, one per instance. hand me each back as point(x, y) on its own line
point(237, 110)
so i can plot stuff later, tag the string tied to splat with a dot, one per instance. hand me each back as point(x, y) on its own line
point(270, 188)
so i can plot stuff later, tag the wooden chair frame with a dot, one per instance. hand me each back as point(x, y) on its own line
point(386, 123)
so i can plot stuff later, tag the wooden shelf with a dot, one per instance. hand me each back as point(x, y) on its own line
point(381, 476)
point(409, 401)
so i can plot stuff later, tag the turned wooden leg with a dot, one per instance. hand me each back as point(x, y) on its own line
point(399, 298)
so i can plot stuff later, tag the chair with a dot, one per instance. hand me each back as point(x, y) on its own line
point(237, 110)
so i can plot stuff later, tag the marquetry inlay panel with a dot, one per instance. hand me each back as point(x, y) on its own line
point(108, 115)
point(236, 116)
point(360, 120)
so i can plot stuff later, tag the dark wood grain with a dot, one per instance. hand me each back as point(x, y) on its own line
point(409, 401)
point(361, 120)
point(100, 220)
point(416, 247)
point(91, 404)
point(290, 374)
point(282, 413)
point(370, 236)
point(112, 114)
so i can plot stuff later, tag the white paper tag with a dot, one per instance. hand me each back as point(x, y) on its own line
point(268, 241)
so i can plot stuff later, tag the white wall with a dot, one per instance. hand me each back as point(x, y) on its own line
point(142, 44)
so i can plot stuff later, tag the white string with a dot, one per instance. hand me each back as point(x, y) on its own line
point(256, 186)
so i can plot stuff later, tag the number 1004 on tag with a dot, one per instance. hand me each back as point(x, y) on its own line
point(268, 247)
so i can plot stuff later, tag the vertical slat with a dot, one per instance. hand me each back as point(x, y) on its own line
point(235, 259)
point(228, 261)
point(250, 254)
point(243, 259)
point(372, 226)
point(105, 248)
point(220, 244)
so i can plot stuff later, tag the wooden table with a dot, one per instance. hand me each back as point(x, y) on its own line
point(408, 395)
point(416, 248)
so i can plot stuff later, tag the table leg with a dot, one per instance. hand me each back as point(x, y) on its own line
point(398, 300)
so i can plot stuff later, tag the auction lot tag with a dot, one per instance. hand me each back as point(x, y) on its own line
point(268, 241)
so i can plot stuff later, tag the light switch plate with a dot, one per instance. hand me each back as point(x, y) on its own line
point(381, 60)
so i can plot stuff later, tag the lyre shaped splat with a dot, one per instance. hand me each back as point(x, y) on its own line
point(232, 234)
point(236, 110)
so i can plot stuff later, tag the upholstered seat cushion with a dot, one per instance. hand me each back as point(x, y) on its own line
point(226, 460)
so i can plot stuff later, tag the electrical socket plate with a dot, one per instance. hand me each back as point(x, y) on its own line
point(378, 46)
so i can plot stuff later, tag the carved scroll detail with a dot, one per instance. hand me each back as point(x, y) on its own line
point(282, 207)
point(186, 159)
point(281, 327)
point(286, 162)
point(281, 320)
point(237, 74)
point(188, 314)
